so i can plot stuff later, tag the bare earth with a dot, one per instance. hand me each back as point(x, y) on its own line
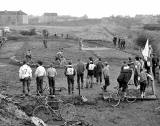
point(140, 113)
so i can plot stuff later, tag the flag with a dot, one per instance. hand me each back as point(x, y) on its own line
point(146, 51)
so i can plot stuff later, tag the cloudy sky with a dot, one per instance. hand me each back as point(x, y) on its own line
point(92, 8)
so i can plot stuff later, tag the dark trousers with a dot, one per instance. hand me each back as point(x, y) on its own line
point(99, 77)
point(70, 80)
point(45, 43)
point(154, 70)
point(26, 82)
point(106, 79)
point(39, 81)
point(80, 78)
point(51, 81)
point(136, 82)
point(143, 86)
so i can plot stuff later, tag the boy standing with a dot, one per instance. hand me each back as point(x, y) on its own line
point(70, 73)
point(25, 75)
point(40, 73)
point(143, 81)
point(90, 75)
point(105, 72)
point(80, 73)
point(51, 74)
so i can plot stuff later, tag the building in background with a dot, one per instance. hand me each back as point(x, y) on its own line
point(13, 18)
point(48, 18)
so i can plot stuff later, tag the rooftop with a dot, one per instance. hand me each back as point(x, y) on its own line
point(12, 12)
point(50, 14)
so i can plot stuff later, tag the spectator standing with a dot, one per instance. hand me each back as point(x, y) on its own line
point(143, 81)
point(25, 75)
point(51, 74)
point(90, 73)
point(115, 40)
point(106, 76)
point(80, 44)
point(70, 73)
point(99, 68)
point(40, 73)
point(137, 71)
point(80, 68)
point(155, 63)
point(28, 55)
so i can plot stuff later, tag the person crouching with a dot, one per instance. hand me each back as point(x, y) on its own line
point(70, 73)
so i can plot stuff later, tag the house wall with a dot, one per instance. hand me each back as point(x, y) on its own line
point(25, 19)
point(8, 19)
point(13, 19)
point(47, 19)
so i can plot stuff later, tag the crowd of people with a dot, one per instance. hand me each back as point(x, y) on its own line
point(135, 72)
point(94, 70)
point(119, 42)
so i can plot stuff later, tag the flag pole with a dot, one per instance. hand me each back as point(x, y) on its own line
point(149, 58)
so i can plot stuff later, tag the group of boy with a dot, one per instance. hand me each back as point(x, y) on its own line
point(25, 75)
point(93, 70)
point(138, 72)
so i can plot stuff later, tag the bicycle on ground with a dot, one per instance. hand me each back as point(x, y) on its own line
point(115, 98)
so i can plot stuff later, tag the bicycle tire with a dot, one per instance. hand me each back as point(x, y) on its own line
point(114, 99)
point(43, 113)
point(45, 87)
point(131, 96)
point(68, 112)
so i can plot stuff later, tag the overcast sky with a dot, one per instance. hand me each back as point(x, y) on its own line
point(92, 8)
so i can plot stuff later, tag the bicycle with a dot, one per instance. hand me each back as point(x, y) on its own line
point(116, 97)
point(55, 109)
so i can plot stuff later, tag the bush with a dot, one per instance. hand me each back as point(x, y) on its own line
point(152, 27)
point(142, 38)
point(14, 38)
point(28, 32)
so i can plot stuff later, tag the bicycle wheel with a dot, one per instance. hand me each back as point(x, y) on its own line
point(131, 95)
point(43, 113)
point(114, 99)
point(68, 112)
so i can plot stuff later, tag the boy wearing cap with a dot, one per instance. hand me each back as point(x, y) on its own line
point(105, 72)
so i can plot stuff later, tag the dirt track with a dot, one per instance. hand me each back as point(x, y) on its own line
point(140, 113)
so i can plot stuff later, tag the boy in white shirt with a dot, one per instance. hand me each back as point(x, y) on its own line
point(25, 75)
point(40, 73)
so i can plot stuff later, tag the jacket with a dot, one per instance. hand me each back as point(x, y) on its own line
point(25, 71)
point(70, 71)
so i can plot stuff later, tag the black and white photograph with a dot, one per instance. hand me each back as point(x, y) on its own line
point(79, 63)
